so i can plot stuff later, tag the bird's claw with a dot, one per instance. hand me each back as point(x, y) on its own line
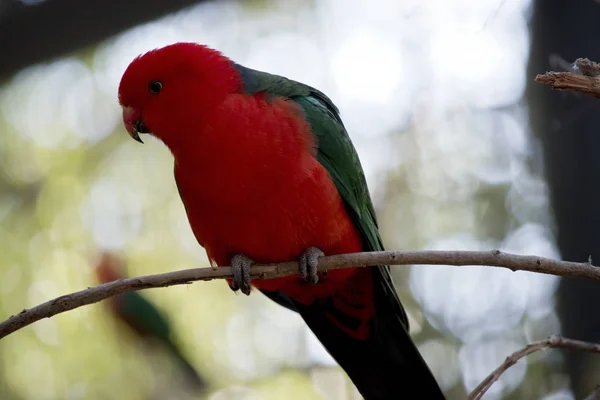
point(308, 264)
point(240, 267)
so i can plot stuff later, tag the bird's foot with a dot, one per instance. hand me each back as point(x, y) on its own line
point(240, 266)
point(308, 264)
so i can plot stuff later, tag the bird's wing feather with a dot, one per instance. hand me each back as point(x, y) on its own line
point(337, 154)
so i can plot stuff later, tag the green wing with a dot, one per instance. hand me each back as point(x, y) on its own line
point(146, 319)
point(143, 316)
point(338, 155)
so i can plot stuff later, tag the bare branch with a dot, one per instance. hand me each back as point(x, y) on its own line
point(550, 342)
point(493, 258)
point(583, 76)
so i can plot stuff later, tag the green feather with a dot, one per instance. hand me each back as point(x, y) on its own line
point(337, 154)
point(144, 316)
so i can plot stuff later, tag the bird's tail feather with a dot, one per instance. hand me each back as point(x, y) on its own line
point(380, 358)
point(192, 376)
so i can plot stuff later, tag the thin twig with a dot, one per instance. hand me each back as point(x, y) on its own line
point(493, 258)
point(583, 77)
point(550, 342)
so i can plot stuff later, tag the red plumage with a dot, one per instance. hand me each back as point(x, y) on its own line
point(247, 171)
point(266, 197)
point(269, 198)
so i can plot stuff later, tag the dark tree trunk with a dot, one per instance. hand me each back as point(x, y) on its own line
point(568, 126)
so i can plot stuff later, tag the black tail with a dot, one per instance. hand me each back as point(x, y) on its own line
point(387, 365)
point(192, 378)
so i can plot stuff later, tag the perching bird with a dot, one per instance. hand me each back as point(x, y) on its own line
point(144, 319)
point(267, 173)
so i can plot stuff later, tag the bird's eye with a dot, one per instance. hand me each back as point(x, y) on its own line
point(155, 87)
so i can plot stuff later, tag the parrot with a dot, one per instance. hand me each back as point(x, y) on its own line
point(267, 173)
point(144, 319)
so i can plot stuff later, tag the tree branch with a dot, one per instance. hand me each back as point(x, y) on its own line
point(583, 76)
point(69, 25)
point(493, 258)
point(550, 342)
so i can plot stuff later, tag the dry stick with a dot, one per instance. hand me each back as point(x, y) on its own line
point(550, 342)
point(584, 77)
point(493, 258)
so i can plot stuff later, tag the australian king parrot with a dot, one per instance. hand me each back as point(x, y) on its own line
point(267, 173)
point(145, 320)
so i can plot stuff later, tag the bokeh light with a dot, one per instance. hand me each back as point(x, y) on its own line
point(430, 92)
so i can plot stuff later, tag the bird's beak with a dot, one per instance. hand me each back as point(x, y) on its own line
point(137, 129)
point(132, 119)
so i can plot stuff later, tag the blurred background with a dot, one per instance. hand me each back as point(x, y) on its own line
point(461, 149)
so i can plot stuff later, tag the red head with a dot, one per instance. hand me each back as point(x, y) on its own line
point(109, 267)
point(163, 88)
